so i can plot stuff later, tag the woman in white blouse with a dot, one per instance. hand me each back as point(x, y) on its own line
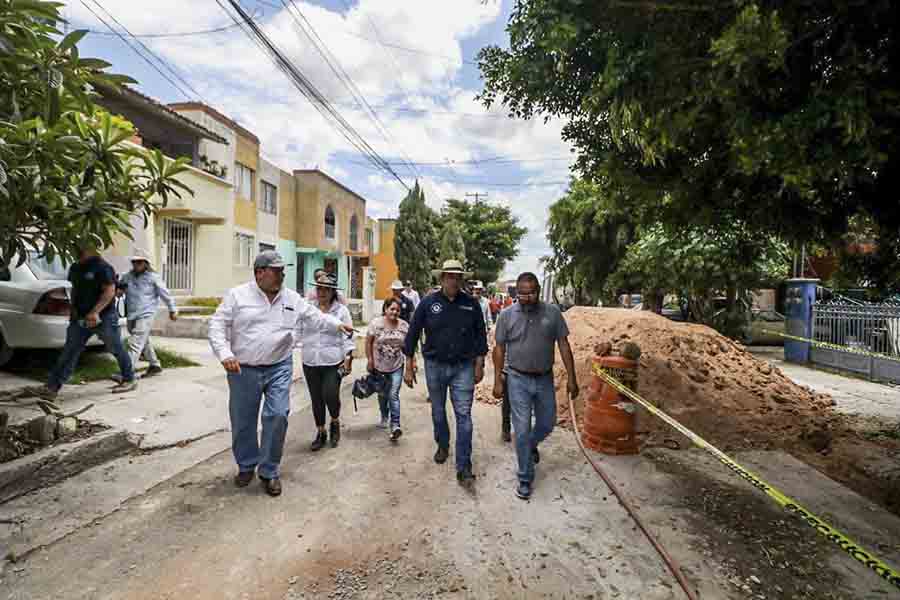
point(325, 351)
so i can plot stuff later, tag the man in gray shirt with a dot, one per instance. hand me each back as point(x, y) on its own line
point(527, 334)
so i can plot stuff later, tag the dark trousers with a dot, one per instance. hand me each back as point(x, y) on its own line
point(504, 408)
point(77, 337)
point(324, 391)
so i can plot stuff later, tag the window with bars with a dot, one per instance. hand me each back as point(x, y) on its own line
point(370, 240)
point(243, 181)
point(354, 233)
point(330, 225)
point(243, 249)
point(269, 200)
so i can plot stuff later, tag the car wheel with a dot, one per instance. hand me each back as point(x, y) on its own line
point(6, 352)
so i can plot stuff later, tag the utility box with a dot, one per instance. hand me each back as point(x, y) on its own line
point(800, 295)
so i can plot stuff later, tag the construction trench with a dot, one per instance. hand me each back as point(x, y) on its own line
point(371, 519)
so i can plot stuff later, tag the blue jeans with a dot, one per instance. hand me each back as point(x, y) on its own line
point(530, 394)
point(77, 337)
point(246, 391)
point(389, 399)
point(460, 379)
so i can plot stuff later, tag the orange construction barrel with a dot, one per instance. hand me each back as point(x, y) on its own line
point(609, 417)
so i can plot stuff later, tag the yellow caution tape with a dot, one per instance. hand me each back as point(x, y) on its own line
point(831, 346)
point(831, 533)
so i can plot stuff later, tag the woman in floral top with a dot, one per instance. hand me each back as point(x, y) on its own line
point(384, 349)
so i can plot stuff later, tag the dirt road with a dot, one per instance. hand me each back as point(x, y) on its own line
point(375, 520)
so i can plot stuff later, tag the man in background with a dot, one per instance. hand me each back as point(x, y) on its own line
point(410, 293)
point(407, 310)
point(143, 289)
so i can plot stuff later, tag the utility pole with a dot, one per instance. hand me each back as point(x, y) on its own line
point(477, 195)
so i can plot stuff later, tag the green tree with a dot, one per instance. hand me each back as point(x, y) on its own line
point(416, 239)
point(491, 235)
point(452, 244)
point(65, 175)
point(780, 115)
point(589, 236)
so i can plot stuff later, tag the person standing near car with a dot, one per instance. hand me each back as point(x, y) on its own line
point(454, 351)
point(325, 352)
point(253, 334)
point(93, 313)
point(527, 333)
point(384, 351)
point(143, 289)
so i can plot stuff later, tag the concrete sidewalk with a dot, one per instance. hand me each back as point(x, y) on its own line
point(853, 396)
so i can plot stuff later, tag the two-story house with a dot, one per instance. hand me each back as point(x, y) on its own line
point(188, 231)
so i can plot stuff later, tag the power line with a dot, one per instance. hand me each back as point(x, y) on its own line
point(161, 60)
point(334, 64)
point(497, 160)
point(306, 87)
point(174, 34)
point(136, 51)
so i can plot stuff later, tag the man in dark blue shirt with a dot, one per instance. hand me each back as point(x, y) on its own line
point(454, 351)
point(93, 312)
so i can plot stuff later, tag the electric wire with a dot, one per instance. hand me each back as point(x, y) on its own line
point(137, 51)
point(342, 75)
point(306, 87)
point(161, 60)
point(174, 34)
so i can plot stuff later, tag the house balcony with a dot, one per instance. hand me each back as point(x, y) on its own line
point(210, 205)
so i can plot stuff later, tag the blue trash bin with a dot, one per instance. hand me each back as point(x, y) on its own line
point(798, 302)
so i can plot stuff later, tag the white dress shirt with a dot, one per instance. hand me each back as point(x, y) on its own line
point(486, 311)
point(413, 296)
point(322, 345)
point(256, 332)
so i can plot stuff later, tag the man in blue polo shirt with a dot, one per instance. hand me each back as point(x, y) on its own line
point(454, 351)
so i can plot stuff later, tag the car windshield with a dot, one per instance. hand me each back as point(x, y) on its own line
point(47, 270)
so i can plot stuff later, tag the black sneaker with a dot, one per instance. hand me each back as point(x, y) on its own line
point(396, 433)
point(465, 476)
point(523, 491)
point(440, 457)
point(335, 433)
point(535, 455)
point(153, 371)
point(319, 442)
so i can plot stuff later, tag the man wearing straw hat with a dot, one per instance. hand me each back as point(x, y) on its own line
point(253, 334)
point(143, 288)
point(454, 351)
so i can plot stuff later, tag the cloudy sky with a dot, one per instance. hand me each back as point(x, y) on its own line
point(412, 60)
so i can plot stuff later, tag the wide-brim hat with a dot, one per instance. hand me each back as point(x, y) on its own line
point(141, 254)
point(397, 285)
point(326, 280)
point(452, 266)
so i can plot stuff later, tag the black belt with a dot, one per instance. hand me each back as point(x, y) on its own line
point(532, 373)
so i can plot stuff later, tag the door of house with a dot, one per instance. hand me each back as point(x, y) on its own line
point(301, 273)
point(178, 255)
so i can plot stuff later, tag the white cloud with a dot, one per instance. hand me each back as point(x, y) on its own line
point(234, 76)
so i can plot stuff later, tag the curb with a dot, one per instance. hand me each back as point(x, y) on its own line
point(51, 465)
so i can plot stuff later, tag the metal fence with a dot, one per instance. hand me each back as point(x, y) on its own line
point(871, 328)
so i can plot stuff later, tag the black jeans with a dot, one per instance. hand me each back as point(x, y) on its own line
point(324, 390)
point(504, 408)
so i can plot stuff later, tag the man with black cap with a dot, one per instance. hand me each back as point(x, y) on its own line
point(253, 334)
point(454, 351)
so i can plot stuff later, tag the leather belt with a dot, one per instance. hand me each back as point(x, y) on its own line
point(531, 373)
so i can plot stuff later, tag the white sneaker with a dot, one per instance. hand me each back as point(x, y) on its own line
point(383, 424)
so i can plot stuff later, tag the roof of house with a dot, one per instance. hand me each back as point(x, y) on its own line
point(217, 116)
point(331, 179)
point(136, 98)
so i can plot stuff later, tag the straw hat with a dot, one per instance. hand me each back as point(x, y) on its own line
point(326, 280)
point(141, 254)
point(452, 266)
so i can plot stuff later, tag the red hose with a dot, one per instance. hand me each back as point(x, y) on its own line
point(670, 562)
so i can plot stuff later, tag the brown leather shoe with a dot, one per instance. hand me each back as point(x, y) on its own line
point(272, 486)
point(243, 478)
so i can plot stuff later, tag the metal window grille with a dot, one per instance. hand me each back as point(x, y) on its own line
point(269, 202)
point(354, 233)
point(178, 262)
point(870, 327)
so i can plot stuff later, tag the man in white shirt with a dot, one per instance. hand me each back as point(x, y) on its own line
point(478, 292)
point(410, 293)
point(253, 334)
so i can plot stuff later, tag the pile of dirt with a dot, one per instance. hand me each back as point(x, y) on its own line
point(715, 387)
